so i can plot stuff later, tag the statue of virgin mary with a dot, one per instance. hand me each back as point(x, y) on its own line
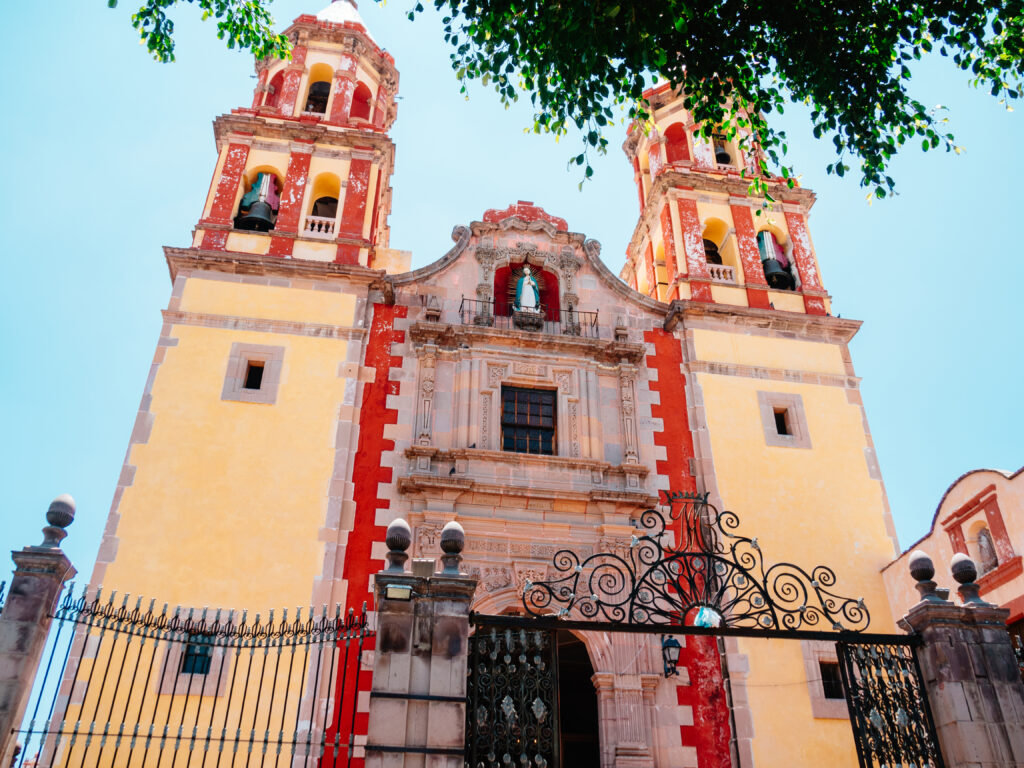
point(527, 293)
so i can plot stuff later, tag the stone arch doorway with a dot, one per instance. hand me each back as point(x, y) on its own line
point(578, 717)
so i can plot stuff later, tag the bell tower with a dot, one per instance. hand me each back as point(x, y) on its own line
point(699, 237)
point(305, 171)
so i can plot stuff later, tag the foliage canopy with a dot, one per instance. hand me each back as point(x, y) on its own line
point(582, 62)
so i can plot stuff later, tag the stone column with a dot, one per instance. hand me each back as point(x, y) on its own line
point(970, 671)
point(418, 698)
point(39, 575)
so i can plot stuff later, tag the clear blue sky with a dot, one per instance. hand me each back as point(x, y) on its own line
point(107, 156)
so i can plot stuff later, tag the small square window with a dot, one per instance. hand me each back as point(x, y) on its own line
point(782, 421)
point(196, 658)
point(831, 680)
point(253, 375)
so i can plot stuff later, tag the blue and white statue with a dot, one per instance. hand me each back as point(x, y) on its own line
point(527, 293)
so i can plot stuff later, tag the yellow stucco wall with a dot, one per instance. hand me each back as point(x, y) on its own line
point(253, 550)
point(804, 505)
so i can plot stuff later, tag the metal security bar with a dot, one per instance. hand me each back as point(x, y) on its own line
point(129, 685)
point(563, 322)
point(889, 712)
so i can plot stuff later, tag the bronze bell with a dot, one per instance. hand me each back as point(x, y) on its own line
point(776, 276)
point(260, 217)
point(722, 156)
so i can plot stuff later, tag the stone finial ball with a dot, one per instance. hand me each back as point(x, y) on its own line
point(399, 535)
point(453, 538)
point(964, 569)
point(921, 566)
point(61, 512)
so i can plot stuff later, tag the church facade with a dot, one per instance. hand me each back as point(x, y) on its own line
point(308, 388)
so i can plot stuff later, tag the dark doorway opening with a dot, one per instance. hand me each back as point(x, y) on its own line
point(577, 704)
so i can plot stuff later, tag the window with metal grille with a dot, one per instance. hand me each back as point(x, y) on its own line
point(528, 420)
point(196, 658)
point(831, 680)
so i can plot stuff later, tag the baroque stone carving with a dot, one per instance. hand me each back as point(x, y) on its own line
point(485, 421)
point(428, 367)
point(574, 428)
point(627, 412)
point(495, 373)
point(428, 538)
point(530, 369)
point(493, 578)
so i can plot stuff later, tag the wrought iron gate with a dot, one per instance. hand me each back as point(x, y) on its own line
point(132, 687)
point(512, 698)
point(889, 712)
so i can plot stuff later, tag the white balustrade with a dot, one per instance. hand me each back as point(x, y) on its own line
point(319, 226)
point(722, 273)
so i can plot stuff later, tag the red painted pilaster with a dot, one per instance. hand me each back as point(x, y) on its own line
point(669, 243)
point(353, 212)
point(1000, 538)
point(367, 474)
point(710, 732)
point(638, 179)
point(810, 280)
point(261, 87)
point(344, 86)
point(290, 210)
point(750, 257)
point(693, 247)
point(292, 80)
point(222, 210)
point(956, 539)
point(381, 107)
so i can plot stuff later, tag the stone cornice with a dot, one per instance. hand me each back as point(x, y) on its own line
point(793, 324)
point(450, 336)
point(416, 483)
point(233, 262)
point(263, 325)
point(290, 129)
point(519, 459)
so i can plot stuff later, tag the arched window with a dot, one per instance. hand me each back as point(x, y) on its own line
point(274, 90)
point(676, 148)
point(257, 210)
point(777, 271)
point(987, 557)
point(361, 99)
point(722, 155)
point(316, 101)
point(711, 252)
point(323, 210)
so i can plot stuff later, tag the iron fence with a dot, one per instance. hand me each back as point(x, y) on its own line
point(131, 686)
point(560, 322)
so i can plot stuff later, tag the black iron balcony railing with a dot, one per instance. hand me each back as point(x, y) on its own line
point(562, 322)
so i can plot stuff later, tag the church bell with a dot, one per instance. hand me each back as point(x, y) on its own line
point(776, 276)
point(260, 217)
point(722, 156)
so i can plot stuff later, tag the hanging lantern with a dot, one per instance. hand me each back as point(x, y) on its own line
point(670, 650)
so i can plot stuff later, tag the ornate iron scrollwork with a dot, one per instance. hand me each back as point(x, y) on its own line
point(713, 577)
point(512, 699)
point(892, 724)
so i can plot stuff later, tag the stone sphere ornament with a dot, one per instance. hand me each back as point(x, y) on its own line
point(398, 540)
point(453, 538)
point(964, 569)
point(59, 516)
point(921, 566)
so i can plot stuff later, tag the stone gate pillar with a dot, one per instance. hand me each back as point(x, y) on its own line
point(418, 698)
point(970, 671)
point(39, 575)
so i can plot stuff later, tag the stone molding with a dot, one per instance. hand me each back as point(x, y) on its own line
point(253, 264)
point(795, 325)
point(234, 322)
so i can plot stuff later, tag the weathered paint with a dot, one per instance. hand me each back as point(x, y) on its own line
point(693, 246)
point(261, 87)
point(710, 733)
point(354, 208)
point(294, 188)
point(222, 210)
point(750, 257)
point(292, 80)
point(669, 243)
point(527, 211)
point(344, 86)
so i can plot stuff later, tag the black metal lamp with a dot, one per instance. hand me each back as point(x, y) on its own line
point(670, 649)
